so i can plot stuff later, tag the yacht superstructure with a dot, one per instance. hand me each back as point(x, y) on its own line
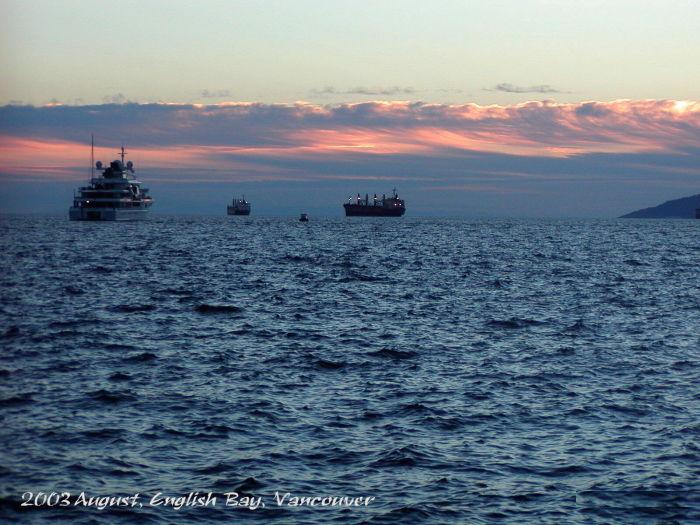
point(116, 195)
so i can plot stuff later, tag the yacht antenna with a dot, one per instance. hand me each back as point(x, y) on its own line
point(122, 153)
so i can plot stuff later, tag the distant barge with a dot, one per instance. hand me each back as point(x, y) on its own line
point(384, 207)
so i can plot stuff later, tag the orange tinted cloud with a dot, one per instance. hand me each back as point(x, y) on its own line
point(251, 137)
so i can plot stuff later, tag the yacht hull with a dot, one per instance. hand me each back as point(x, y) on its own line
point(106, 214)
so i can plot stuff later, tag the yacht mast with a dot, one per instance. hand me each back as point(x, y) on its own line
point(92, 155)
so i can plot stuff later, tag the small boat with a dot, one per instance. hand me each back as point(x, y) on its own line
point(304, 217)
point(238, 207)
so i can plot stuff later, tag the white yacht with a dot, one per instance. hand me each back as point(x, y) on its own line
point(116, 195)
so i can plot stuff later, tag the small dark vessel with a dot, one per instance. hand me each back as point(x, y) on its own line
point(238, 207)
point(384, 207)
point(304, 217)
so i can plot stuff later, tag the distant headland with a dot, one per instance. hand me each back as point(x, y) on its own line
point(676, 209)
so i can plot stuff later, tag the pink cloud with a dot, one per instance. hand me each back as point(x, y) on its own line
point(240, 138)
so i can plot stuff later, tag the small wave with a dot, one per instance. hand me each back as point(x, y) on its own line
point(577, 326)
point(12, 331)
point(248, 485)
point(263, 414)
point(514, 323)
point(479, 418)
point(414, 408)
point(497, 283)
point(578, 411)
point(133, 308)
point(158, 431)
point(298, 258)
point(316, 337)
point(264, 333)
point(21, 399)
point(390, 353)
point(104, 433)
point(408, 514)
point(626, 409)
point(178, 291)
point(401, 457)
point(213, 428)
point(105, 396)
point(325, 364)
point(478, 396)
point(217, 468)
point(122, 473)
point(443, 423)
point(204, 308)
point(356, 276)
point(118, 346)
point(72, 323)
point(8, 503)
point(566, 470)
point(142, 358)
point(79, 467)
point(56, 335)
point(370, 415)
point(524, 498)
point(684, 365)
point(73, 290)
point(119, 376)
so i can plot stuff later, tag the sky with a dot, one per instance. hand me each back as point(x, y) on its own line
point(522, 108)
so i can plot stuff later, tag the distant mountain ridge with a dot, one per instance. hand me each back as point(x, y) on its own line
point(676, 209)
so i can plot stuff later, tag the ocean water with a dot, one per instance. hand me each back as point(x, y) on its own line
point(456, 371)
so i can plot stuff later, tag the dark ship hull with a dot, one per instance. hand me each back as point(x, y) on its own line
point(362, 210)
point(239, 212)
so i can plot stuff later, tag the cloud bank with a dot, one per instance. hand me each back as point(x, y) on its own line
point(521, 148)
point(532, 128)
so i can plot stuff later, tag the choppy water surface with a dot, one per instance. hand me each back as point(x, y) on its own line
point(459, 371)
